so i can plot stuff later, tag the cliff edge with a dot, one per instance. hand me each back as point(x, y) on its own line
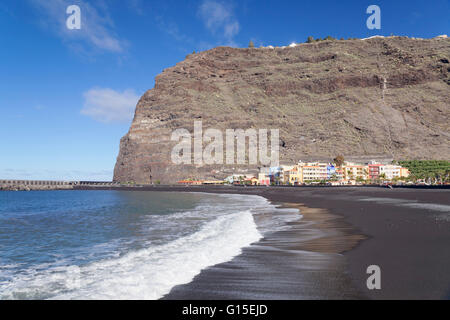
point(353, 97)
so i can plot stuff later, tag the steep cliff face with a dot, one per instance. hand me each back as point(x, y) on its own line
point(352, 97)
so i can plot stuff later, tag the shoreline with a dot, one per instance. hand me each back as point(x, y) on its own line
point(407, 230)
point(212, 187)
point(301, 262)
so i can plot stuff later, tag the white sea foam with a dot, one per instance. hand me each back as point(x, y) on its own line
point(270, 217)
point(144, 274)
point(175, 248)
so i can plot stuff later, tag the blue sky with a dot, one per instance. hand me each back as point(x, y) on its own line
point(68, 96)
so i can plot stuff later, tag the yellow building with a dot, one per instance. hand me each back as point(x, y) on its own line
point(404, 172)
point(284, 173)
point(253, 181)
point(354, 171)
point(294, 176)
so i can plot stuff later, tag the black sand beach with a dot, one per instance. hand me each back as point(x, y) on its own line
point(325, 255)
point(301, 262)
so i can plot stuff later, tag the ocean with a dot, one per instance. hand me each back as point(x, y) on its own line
point(122, 245)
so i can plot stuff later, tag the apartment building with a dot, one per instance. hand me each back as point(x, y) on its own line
point(294, 176)
point(392, 171)
point(314, 171)
point(374, 170)
point(263, 179)
point(307, 172)
point(284, 173)
point(353, 171)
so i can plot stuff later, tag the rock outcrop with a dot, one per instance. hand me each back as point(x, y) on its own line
point(353, 97)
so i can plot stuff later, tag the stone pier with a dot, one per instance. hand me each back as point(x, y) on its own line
point(26, 185)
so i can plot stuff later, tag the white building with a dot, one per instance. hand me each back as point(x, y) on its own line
point(236, 178)
point(314, 171)
point(391, 171)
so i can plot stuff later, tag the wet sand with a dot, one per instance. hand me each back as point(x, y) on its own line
point(302, 262)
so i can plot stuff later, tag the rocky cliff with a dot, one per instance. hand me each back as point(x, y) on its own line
point(353, 97)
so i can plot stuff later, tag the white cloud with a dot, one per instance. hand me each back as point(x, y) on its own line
point(231, 29)
point(219, 18)
point(107, 105)
point(214, 14)
point(97, 28)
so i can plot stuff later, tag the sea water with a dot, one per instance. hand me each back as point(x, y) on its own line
point(122, 245)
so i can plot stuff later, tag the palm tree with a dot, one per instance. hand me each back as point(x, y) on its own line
point(365, 173)
point(339, 161)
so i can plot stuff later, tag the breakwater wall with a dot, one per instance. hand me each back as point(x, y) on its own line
point(28, 185)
